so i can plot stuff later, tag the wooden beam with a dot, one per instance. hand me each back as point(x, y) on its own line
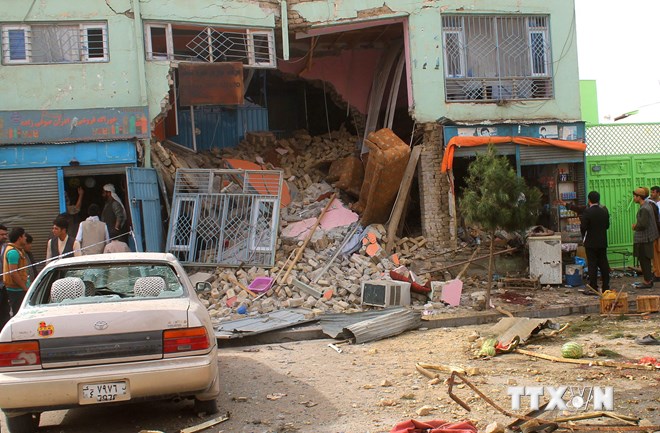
point(404, 189)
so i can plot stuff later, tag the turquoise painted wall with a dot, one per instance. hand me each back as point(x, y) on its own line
point(78, 85)
point(425, 40)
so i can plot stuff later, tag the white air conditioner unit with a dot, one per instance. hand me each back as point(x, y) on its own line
point(384, 293)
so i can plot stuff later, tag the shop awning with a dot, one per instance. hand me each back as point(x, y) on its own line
point(461, 141)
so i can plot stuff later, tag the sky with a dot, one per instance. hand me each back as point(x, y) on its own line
point(619, 47)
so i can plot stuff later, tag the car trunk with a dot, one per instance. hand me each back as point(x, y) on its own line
point(101, 333)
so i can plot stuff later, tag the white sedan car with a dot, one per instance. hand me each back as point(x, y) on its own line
point(103, 329)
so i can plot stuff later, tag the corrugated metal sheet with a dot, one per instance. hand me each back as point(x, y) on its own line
point(384, 326)
point(334, 324)
point(144, 203)
point(266, 322)
point(533, 155)
point(220, 126)
point(502, 149)
point(30, 199)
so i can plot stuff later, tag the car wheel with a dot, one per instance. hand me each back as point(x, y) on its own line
point(209, 407)
point(26, 423)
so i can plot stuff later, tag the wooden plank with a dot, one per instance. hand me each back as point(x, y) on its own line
point(404, 189)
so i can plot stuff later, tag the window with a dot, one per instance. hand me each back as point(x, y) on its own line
point(253, 48)
point(496, 58)
point(54, 43)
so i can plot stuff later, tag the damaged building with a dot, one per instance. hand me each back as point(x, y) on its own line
point(92, 93)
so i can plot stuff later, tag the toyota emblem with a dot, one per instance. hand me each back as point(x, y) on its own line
point(101, 325)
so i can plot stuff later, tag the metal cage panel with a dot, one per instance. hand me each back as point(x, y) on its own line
point(225, 217)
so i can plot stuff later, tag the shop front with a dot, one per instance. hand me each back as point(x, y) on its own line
point(42, 176)
point(550, 157)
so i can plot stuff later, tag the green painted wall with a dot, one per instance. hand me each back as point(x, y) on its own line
point(126, 80)
point(78, 85)
point(228, 13)
point(589, 101)
point(425, 40)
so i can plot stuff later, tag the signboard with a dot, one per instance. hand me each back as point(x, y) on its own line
point(211, 83)
point(50, 126)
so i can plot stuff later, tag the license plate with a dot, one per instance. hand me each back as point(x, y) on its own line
point(106, 392)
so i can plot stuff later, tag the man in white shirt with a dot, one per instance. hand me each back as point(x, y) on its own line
point(61, 244)
point(92, 233)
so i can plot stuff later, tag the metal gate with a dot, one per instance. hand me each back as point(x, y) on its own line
point(144, 203)
point(30, 200)
point(225, 217)
point(621, 157)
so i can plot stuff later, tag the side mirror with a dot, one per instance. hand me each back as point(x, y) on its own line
point(203, 286)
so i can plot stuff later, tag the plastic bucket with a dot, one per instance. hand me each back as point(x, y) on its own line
point(573, 275)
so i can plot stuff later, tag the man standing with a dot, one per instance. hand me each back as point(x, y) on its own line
point(32, 270)
point(15, 264)
point(92, 233)
point(655, 196)
point(4, 300)
point(594, 222)
point(646, 232)
point(116, 245)
point(61, 243)
point(114, 214)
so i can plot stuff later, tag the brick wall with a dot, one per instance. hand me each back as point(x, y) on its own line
point(433, 191)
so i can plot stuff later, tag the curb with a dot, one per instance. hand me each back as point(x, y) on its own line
point(314, 331)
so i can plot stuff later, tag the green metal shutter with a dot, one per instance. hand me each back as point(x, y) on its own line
point(30, 199)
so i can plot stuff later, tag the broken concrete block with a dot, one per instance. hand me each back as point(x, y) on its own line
point(307, 288)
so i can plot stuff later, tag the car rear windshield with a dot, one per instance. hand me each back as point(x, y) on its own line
point(97, 283)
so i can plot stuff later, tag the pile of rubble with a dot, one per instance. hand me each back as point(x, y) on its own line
point(334, 261)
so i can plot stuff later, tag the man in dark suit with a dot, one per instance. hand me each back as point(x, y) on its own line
point(594, 222)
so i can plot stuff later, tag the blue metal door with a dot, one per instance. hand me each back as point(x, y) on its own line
point(144, 203)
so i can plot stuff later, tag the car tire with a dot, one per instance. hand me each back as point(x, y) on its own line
point(26, 423)
point(209, 407)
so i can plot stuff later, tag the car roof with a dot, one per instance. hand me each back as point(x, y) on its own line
point(113, 258)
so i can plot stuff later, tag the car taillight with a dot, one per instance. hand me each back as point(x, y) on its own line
point(19, 354)
point(185, 340)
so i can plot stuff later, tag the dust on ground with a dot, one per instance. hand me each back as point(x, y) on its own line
point(309, 387)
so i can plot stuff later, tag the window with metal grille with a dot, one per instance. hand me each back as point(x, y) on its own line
point(54, 43)
point(496, 58)
point(253, 48)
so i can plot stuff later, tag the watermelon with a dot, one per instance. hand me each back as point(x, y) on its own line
point(488, 347)
point(572, 350)
point(487, 351)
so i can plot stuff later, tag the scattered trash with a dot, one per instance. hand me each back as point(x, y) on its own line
point(275, 396)
point(206, 424)
point(434, 426)
point(647, 340)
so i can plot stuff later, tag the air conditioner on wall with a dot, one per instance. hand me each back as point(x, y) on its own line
point(385, 293)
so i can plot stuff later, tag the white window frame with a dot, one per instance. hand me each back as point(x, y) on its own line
point(84, 42)
point(169, 43)
point(6, 49)
point(461, 52)
point(543, 32)
point(252, 61)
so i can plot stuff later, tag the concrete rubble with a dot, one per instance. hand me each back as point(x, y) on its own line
point(305, 161)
